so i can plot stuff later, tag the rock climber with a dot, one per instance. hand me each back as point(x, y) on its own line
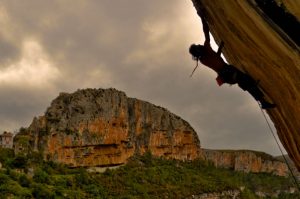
point(226, 73)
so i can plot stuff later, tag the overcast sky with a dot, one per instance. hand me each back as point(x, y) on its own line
point(136, 46)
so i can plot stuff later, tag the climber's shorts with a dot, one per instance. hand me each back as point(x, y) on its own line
point(228, 75)
point(231, 75)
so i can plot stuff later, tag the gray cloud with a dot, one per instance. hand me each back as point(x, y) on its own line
point(8, 51)
point(139, 47)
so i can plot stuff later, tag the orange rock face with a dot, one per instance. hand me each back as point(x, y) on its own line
point(104, 128)
point(246, 161)
point(258, 45)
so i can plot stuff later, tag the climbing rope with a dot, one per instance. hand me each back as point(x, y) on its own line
point(195, 67)
point(277, 142)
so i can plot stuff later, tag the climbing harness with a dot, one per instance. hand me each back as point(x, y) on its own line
point(277, 142)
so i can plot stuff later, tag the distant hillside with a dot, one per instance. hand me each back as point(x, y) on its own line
point(147, 152)
point(246, 161)
point(29, 176)
point(292, 165)
point(104, 128)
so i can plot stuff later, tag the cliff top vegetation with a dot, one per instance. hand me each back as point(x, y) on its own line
point(143, 177)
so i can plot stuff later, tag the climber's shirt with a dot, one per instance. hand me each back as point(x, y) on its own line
point(211, 59)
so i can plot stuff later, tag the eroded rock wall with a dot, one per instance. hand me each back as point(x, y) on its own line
point(256, 45)
point(103, 127)
point(246, 161)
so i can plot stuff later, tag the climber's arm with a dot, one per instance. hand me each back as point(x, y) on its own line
point(205, 29)
point(220, 48)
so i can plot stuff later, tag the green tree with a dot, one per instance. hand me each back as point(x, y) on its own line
point(20, 162)
point(40, 191)
point(40, 176)
point(82, 178)
point(24, 181)
point(4, 178)
point(6, 156)
point(11, 189)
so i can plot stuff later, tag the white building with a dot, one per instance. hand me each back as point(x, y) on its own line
point(6, 140)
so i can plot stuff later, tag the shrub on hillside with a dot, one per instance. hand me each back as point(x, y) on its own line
point(41, 176)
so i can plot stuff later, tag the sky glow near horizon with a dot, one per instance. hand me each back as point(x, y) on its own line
point(137, 46)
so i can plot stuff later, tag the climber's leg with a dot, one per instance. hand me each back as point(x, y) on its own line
point(258, 95)
point(247, 83)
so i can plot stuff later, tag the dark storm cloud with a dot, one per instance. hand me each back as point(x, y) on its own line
point(136, 46)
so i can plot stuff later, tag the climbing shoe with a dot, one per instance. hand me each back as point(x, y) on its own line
point(267, 105)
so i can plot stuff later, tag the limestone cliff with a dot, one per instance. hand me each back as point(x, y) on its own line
point(103, 127)
point(261, 45)
point(246, 161)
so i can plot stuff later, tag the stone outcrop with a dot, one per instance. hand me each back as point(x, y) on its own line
point(246, 161)
point(292, 166)
point(103, 127)
point(234, 194)
point(257, 44)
